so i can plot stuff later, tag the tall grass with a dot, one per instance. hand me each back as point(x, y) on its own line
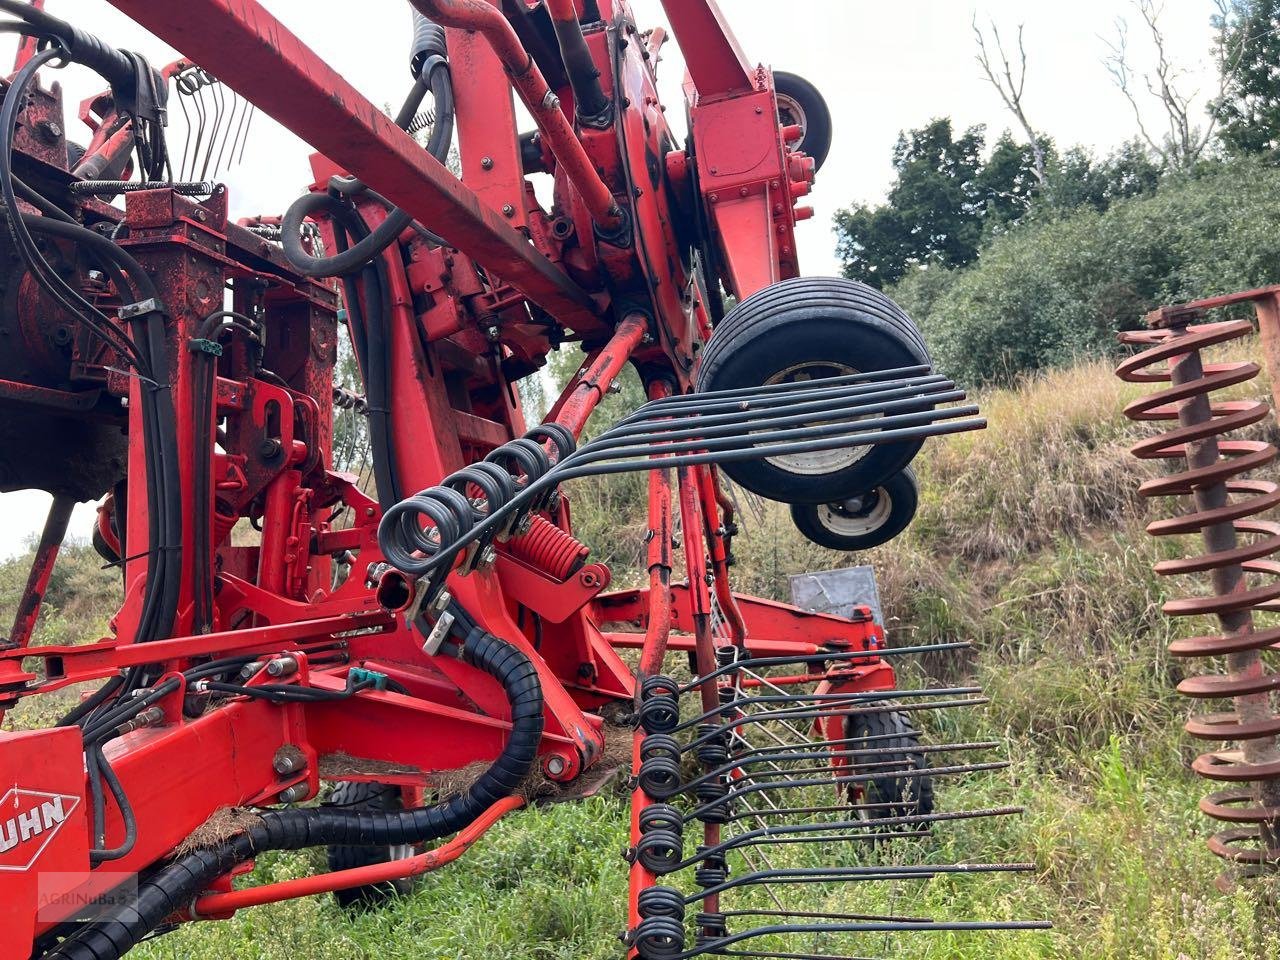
point(1030, 543)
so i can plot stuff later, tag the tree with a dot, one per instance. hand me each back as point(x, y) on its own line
point(943, 200)
point(1077, 179)
point(1010, 87)
point(1184, 140)
point(1248, 106)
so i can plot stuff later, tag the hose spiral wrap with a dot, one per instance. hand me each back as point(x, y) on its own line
point(174, 886)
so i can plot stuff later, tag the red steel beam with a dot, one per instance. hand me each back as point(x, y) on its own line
point(256, 55)
point(712, 55)
point(584, 394)
point(542, 104)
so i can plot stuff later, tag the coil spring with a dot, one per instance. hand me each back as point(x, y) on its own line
point(713, 794)
point(549, 548)
point(1223, 506)
point(711, 926)
point(714, 750)
point(659, 705)
point(661, 843)
point(659, 775)
point(659, 938)
point(660, 902)
point(712, 871)
point(414, 531)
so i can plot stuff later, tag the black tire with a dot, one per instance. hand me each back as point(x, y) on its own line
point(861, 522)
point(367, 796)
point(800, 102)
point(813, 326)
point(889, 795)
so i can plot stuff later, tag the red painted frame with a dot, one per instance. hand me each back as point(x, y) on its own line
point(629, 300)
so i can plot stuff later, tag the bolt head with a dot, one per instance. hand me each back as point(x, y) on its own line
point(555, 765)
point(487, 163)
point(508, 210)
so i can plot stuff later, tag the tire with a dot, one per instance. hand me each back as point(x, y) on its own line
point(900, 796)
point(862, 522)
point(813, 327)
point(368, 796)
point(800, 102)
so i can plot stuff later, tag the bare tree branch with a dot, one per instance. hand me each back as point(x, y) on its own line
point(1009, 86)
point(1185, 141)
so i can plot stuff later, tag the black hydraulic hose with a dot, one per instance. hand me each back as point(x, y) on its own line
point(159, 421)
point(591, 104)
point(175, 885)
point(114, 65)
point(354, 258)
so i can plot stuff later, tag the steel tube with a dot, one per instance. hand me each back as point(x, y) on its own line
point(219, 903)
point(538, 97)
point(585, 393)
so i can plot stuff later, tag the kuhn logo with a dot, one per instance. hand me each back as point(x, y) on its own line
point(29, 820)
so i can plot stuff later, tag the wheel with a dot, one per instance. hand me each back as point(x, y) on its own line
point(888, 795)
point(864, 521)
point(804, 329)
point(800, 103)
point(368, 796)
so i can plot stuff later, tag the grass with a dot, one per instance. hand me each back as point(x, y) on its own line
point(1029, 542)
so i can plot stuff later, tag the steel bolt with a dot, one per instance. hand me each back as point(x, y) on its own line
point(299, 791)
point(555, 765)
point(281, 666)
point(487, 163)
point(288, 760)
point(508, 210)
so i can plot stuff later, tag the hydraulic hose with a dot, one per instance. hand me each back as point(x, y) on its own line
point(591, 104)
point(433, 75)
point(177, 884)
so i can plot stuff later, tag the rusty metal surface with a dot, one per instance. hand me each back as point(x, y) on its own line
point(1207, 472)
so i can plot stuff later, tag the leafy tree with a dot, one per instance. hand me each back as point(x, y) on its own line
point(1077, 179)
point(942, 196)
point(1248, 110)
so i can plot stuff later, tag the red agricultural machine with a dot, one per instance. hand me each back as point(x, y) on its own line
point(300, 661)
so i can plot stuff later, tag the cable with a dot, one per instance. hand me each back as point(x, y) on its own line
point(354, 259)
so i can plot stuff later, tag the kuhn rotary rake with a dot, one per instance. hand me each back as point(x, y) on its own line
point(426, 648)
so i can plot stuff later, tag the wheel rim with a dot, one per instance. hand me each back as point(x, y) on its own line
point(857, 516)
point(819, 462)
point(791, 113)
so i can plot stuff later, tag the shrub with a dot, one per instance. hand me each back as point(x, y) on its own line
point(1049, 292)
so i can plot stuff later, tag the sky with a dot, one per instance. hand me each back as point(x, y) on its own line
point(883, 67)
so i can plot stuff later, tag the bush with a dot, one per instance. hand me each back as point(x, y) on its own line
point(1049, 292)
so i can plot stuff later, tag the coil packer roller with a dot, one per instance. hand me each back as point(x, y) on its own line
point(448, 618)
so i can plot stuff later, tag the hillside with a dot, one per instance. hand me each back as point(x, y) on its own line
point(1029, 542)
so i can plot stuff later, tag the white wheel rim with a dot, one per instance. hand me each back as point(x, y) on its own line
point(853, 518)
point(817, 463)
point(790, 112)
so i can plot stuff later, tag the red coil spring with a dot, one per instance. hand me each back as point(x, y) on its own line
point(549, 548)
point(1223, 507)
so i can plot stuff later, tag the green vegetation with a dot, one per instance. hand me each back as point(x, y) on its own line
point(1029, 542)
point(1048, 292)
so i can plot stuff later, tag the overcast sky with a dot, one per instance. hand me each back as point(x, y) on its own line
point(883, 67)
